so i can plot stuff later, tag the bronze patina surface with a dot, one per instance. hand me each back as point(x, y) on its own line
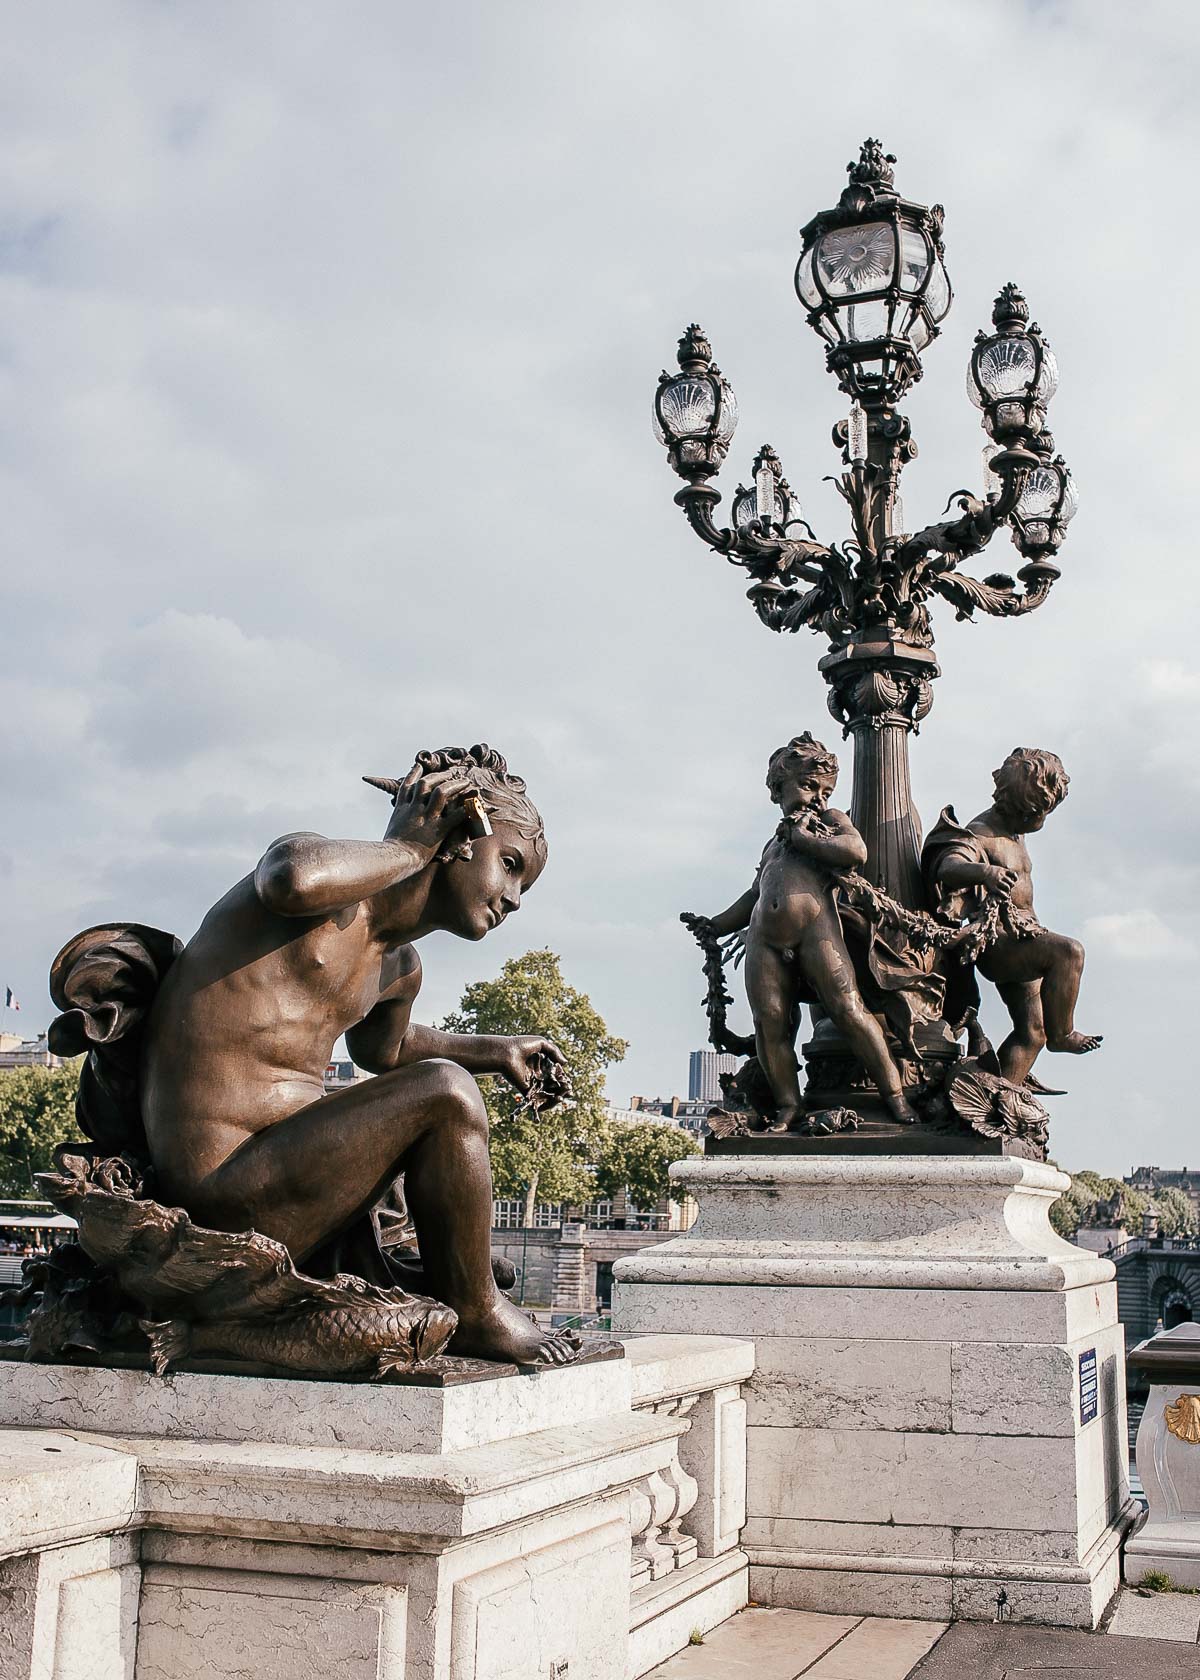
point(230, 1209)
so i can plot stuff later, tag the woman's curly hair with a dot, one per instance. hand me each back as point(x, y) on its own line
point(487, 773)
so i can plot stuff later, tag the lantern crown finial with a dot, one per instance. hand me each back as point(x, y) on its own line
point(1010, 307)
point(694, 347)
point(873, 169)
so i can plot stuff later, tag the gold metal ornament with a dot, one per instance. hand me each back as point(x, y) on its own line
point(1183, 1418)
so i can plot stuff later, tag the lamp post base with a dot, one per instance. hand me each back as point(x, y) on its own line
point(877, 1138)
point(936, 1423)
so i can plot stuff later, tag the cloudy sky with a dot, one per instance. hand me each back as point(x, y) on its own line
point(327, 340)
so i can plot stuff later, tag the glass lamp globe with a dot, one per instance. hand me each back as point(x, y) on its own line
point(745, 507)
point(769, 485)
point(695, 410)
point(1012, 373)
point(1046, 506)
point(873, 279)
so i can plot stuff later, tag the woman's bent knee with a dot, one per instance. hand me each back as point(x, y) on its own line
point(457, 1095)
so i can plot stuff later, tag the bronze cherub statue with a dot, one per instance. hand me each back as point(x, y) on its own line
point(795, 949)
point(1036, 972)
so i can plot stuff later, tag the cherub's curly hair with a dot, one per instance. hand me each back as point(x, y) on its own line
point(802, 752)
point(485, 770)
point(1029, 777)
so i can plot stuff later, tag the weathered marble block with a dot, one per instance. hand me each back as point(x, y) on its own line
point(579, 1522)
point(1168, 1458)
point(936, 1423)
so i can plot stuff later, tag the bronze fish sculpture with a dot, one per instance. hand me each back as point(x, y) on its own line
point(236, 1295)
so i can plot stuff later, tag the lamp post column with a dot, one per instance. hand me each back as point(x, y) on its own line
point(880, 679)
point(879, 690)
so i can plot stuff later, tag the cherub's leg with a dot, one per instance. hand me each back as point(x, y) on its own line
point(1054, 964)
point(1060, 991)
point(1023, 1000)
point(305, 1177)
point(770, 990)
point(828, 967)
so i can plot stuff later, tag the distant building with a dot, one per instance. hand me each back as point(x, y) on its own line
point(689, 1115)
point(623, 1116)
point(340, 1074)
point(705, 1068)
point(1167, 1178)
point(26, 1052)
point(564, 1260)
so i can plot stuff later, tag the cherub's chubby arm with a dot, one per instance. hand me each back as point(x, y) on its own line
point(736, 917)
point(829, 839)
point(308, 875)
point(960, 868)
point(738, 914)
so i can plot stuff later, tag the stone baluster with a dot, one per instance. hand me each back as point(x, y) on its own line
point(687, 1491)
point(655, 1498)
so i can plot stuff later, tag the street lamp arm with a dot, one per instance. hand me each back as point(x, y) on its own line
point(697, 502)
point(785, 610)
point(775, 561)
point(955, 539)
point(998, 595)
point(791, 560)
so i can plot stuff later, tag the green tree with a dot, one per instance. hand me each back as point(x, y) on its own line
point(1088, 1187)
point(550, 1155)
point(637, 1157)
point(1176, 1215)
point(37, 1113)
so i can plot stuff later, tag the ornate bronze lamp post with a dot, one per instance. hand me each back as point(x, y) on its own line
point(872, 277)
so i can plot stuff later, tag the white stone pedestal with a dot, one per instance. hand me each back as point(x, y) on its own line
point(1168, 1458)
point(575, 1524)
point(915, 1442)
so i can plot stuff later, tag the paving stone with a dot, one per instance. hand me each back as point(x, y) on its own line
point(881, 1647)
point(762, 1644)
point(985, 1651)
point(1161, 1616)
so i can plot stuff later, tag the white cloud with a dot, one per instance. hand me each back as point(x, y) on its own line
point(327, 340)
point(1138, 936)
point(1173, 678)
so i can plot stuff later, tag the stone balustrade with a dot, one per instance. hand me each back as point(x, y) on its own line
point(580, 1521)
point(687, 1515)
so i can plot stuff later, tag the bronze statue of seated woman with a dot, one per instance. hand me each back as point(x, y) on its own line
point(205, 1072)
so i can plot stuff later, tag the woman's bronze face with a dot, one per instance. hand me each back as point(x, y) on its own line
point(475, 894)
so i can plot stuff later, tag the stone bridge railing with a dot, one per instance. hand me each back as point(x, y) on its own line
point(203, 1525)
point(687, 1571)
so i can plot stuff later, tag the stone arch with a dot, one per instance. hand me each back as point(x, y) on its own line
point(1171, 1300)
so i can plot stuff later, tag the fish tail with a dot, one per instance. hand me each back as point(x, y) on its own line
point(169, 1339)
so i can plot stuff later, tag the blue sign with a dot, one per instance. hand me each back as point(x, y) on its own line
point(1088, 1386)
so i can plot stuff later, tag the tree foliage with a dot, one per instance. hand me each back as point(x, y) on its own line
point(637, 1157)
point(1176, 1215)
point(37, 1113)
point(547, 1156)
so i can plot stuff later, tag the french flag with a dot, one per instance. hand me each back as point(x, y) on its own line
point(10, 999)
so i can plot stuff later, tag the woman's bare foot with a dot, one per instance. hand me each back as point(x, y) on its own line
point(1076, 1043)
point(507, 1333)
